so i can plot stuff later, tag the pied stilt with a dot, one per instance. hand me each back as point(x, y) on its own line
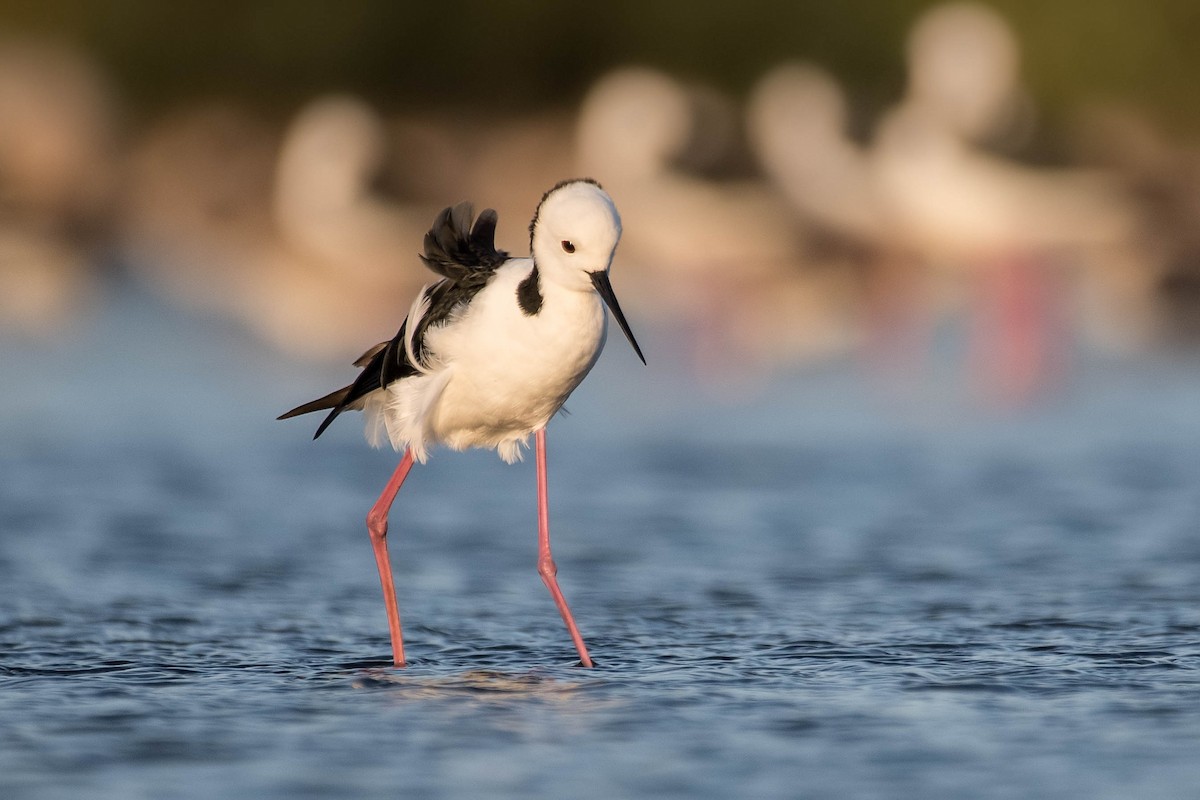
point(489, 353)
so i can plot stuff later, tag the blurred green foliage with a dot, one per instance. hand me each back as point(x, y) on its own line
point(539, 53)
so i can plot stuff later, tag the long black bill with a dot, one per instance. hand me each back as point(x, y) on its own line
point(604, 289)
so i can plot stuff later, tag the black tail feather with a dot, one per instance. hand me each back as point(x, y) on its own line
point(330, 400)
point(325, 423)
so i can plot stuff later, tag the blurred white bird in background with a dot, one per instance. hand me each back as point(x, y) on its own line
point(59, 132)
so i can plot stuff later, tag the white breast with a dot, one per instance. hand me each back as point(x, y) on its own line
point(498, 374)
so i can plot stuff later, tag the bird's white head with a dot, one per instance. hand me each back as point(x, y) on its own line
point(574, 232)
point(573, 237)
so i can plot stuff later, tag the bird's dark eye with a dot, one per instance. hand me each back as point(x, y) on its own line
point(568, 246)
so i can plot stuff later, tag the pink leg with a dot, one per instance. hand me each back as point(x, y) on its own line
point(546, 566)
point(377, 524)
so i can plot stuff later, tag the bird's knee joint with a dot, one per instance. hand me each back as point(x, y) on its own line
point(547, 568)
point(377, 525)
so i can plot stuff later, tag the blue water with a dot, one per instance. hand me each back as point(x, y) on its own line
point(811, 592)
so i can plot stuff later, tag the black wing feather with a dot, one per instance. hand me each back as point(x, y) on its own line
point(465, 255)
point(454, 248)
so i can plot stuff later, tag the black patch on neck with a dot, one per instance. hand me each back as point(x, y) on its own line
point(529, 293)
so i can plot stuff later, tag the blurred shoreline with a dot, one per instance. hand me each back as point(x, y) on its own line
point(799, 221)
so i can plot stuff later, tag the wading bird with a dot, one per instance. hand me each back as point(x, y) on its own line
point(489, 353)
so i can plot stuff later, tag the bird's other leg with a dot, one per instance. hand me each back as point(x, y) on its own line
point(546, 566)
point(377, 525)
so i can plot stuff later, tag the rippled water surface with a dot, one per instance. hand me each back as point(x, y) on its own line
point(799, 596)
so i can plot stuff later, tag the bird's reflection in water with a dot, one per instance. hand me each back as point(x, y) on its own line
point(491, 689)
